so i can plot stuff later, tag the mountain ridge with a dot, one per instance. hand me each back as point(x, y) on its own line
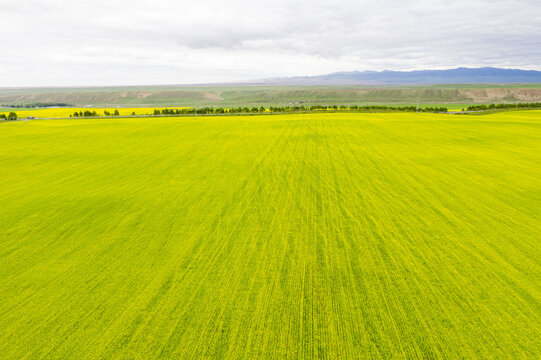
point(460, 75)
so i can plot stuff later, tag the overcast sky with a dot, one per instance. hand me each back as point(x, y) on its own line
point(114, 42)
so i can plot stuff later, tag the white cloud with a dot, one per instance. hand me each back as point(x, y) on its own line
point(99, 42)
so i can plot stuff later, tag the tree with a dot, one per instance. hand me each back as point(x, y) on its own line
point(12, 116)
point(117, 113)
point(3, 116)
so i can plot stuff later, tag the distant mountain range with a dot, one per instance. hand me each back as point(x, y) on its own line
point(486, 75)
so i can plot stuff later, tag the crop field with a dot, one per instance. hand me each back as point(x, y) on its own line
point(324, 236)
point(62, 112)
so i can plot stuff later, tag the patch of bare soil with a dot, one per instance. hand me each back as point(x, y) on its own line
point(143, 94)
point(499, 95)
point(212, 96)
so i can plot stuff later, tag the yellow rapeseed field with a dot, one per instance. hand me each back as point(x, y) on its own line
point(301, 236)
point(66, 112)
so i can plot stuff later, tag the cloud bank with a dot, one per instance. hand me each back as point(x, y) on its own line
point(120, 42)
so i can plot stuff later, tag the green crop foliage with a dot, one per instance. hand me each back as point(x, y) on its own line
point(393, 235)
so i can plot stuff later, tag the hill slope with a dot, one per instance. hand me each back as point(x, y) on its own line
point(271, 95)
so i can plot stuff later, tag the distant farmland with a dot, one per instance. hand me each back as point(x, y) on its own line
point(327, 236)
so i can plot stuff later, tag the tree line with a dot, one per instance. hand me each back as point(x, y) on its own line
point(503, 106)
point(37, 105)
point(277, 109)
point(94, 113)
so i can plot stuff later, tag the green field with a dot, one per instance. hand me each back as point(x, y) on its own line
point(325, 236)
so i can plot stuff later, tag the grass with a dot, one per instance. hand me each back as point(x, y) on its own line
point(289, 236)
